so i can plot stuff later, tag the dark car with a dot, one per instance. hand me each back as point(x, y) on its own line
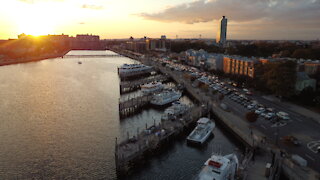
point(292, 140)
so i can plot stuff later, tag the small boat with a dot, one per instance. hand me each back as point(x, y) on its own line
point(165, 97)
point(177, 109)
point(219, 167)
point(152, 87)
point(202, 131)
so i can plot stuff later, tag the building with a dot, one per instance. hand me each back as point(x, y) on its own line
point(303, 81)
point(161, 44)
point(311, 68)
point(222, 32)
point(239, 65)
point(139, 45)
point(215, 62)
point(86, 42)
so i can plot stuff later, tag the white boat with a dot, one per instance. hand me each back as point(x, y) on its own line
point(219, 167)
point(165, 97)
point(127, 70)
point(202, 131)
point(152, 87)
point(175, 110)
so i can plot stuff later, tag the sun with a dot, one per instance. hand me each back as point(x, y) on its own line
point(35, 28)
point(37, 20)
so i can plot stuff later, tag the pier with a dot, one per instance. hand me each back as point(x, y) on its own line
point(245, 132)
point(128, 86)
point(133, 105)
point(137, 148)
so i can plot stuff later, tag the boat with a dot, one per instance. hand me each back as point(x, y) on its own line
point(165, 97)
point(128, 70)
point(219, 167)
point(202, 131)
point(152, 87)
point(177, 109)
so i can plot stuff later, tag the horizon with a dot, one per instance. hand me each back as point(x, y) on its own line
point(261, 20)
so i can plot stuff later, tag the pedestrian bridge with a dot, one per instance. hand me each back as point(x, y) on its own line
point(92, 56)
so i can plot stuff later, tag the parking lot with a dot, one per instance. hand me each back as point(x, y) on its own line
point(275, 119)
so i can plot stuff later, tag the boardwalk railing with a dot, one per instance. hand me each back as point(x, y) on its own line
point(127, 86)
point(131, 106)
point(152, 138)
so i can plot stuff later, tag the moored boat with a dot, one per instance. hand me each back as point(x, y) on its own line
point(152, 87)
point(165, 97)
point(128, 70)
point(175, 110)
point(202, 131)
point(219, 167)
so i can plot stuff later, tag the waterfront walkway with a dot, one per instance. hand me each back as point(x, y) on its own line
point(151, 138)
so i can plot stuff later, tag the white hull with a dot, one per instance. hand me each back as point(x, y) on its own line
point(151, 90)
point(219, 167)
point(201, 133)
point(176, 109)
point(165, 98)
point(128, 70)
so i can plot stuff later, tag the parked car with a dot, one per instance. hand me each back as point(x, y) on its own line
point(269, 115)
point(251, 106)
point(259, 110)
point(283, 115)
point(291, 140)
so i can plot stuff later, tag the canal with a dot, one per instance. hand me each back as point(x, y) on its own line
point(59, 120)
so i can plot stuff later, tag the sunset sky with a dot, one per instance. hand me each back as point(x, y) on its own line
point(248, 19)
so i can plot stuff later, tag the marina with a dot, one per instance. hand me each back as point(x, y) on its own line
point(142, 136)
point(129, 86)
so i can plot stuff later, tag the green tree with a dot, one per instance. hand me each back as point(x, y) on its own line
point(280, 78)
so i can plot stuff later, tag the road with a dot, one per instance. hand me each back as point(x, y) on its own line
point(302, 127)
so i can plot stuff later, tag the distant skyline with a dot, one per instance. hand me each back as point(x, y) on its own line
point(111, 19)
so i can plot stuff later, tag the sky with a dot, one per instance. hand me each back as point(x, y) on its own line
point(247, 19)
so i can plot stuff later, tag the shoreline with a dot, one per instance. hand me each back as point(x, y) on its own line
point(33, 59)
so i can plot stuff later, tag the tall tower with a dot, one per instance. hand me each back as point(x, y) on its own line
point(222, 32)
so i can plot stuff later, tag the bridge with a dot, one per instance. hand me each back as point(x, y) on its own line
point(92, 56)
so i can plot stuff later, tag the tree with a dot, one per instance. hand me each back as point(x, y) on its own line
point(251, 116)
point(280, 78)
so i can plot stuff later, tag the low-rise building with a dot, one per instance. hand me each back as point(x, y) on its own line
point(303, 81)
point(239, 65)
point(312, 68)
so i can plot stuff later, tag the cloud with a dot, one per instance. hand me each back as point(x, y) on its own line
point(92, 6)
point(277, 11)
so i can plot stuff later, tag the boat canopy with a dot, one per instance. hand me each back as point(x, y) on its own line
point(203, 120)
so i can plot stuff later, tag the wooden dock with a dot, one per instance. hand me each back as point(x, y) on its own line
point(136, 148)
point(128, 86)
point(133, 105)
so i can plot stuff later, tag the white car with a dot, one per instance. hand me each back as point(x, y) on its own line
point(251, 106)
point(263, 115)
point(283, 115)
point(269, 115)
point(259, 111)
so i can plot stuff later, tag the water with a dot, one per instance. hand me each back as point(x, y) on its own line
point(59, 120)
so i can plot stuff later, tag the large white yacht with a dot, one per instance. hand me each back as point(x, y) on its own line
point(175, 110)
point(202, 131)
point(165, 97)
point(219, 167)
point(152, 87)
point(127, 70)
